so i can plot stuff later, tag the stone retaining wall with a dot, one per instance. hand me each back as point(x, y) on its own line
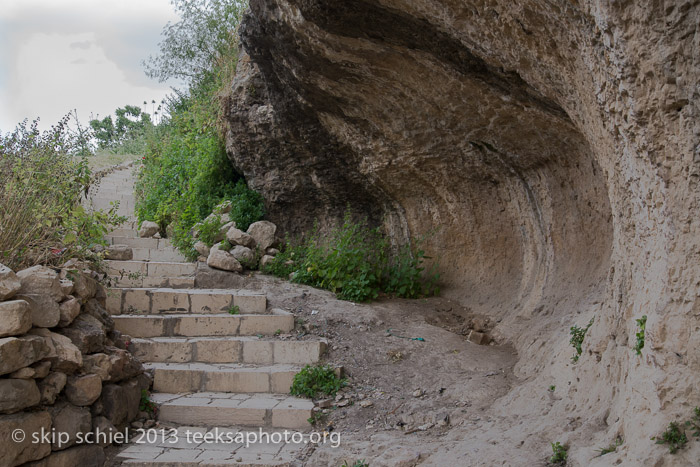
point(64, 370)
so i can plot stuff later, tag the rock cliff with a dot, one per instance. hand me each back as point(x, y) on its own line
point(553, 149)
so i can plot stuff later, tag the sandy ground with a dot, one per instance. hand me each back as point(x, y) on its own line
point(425, 394)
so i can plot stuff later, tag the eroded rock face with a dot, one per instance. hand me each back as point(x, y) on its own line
point(554, 147)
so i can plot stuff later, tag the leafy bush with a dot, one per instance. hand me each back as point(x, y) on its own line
point(355, 262)
point(577, 335)
point(642, 325)
point(674, 437)
point(357, 463)
point(314, 380)
point(185, 170)
point(559, 453)
point(43, 178)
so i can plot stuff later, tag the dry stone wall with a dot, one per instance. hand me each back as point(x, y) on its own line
point(64, 371)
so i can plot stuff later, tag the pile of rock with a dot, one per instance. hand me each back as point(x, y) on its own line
point(235, 249)
point(64, 370)
point(149, 229)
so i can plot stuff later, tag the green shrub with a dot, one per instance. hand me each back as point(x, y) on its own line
point(43, 177)
point(559, 454)
point(642, 325)
point(674, 437)
point(314, 380)
point(186, 172)
point(577, 335)
point(355, 262)
point(357, 463)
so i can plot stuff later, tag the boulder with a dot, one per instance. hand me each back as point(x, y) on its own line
point(18, 394)
point(225, 228)
point(122, 365)
point(84, 286)
point(66, 286)
point(101, 299)
point(148, 229)
point(25, 373)
point(20, 452)
point(86, 333)
point(67, 356)
point(15, 318)
point(119, 253)
point(69, 310)
point(272, 251)
point(9, 283)
point(265, 260)
point(83, 390)
point(210, 278)
point(20, 352)
point(238, 237)
point(42, 281)
point(224, 260)
point(202, 248)
point(264, 234)
point(95, 309)
point(41, 369)
point(244, 255)
point(67, 421)
point(85, 455)
point(104, 430)
point(223, 207)
point(132, 395)
point(98, 364)
point(51, 386)
point(112, 404)
point(45, 311)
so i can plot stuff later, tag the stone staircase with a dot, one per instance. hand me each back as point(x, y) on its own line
point(216, 359)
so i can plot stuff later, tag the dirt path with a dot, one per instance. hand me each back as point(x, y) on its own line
point(426, 395)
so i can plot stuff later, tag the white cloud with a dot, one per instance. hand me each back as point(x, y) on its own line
point(59, 55)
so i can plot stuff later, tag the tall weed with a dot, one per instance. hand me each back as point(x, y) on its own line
point(356, 262)
point(43, 178)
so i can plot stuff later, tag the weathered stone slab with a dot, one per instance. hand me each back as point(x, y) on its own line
point(15, 318)
point(15, 452)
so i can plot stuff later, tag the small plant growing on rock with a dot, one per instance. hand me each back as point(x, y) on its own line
point(674, 437)
point(314, 380)
point(357, 463)
point(641, 324)
point(694, 423)
point(316, 416)
point(559, 454)
point(146, 404)
point(234, 310)
point(577, 335)
point(610, 448)
point(209, 229)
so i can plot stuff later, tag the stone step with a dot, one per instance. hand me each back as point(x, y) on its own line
point(209, 325)
point(165, 254)
point(123, 232)
point(136, 242)
point(153, 282)
point(189, 446)
point(221, 377)
point(250, 350)
point(150, 268)
point(167, 301)
point(227, 410)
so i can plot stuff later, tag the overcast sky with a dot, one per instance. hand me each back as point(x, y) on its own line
point(59, 55)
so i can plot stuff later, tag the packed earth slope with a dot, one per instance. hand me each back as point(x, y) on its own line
point(552, 151)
